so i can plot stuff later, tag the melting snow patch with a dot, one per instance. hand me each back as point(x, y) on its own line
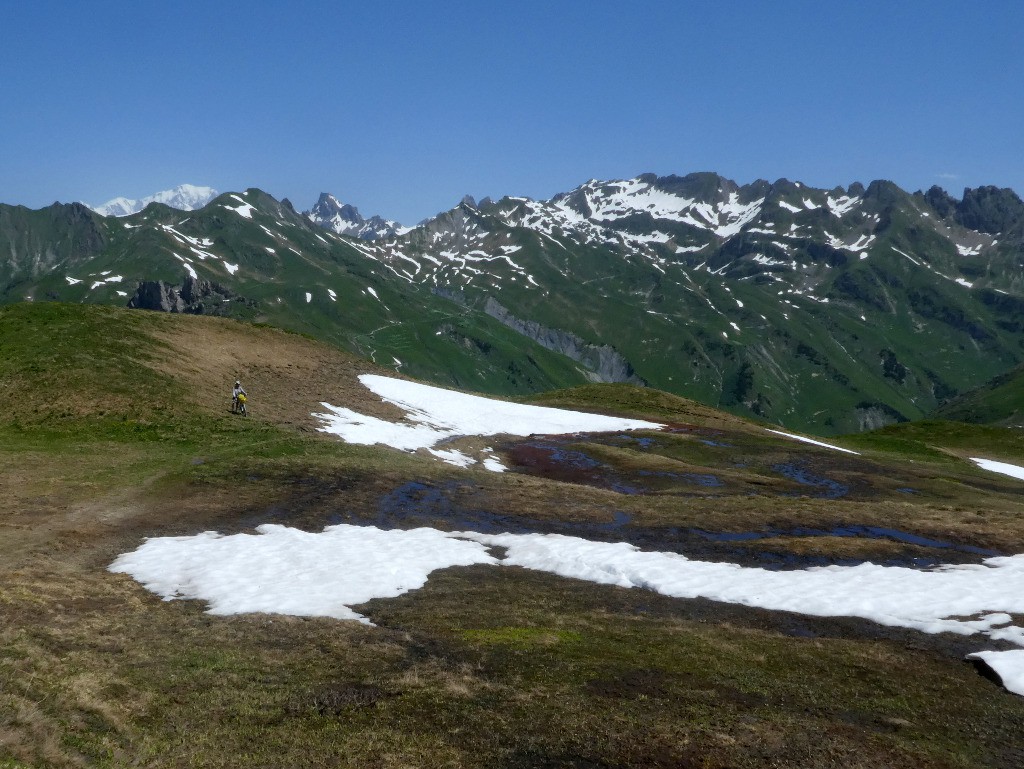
point(1009, 666)
point(811, 440)
point(288, 571)
point(908, 256)
point(492, 463)
point(71, 281)
point(841, 206)
point(309, 297)
point(202, 254)
point(334, 296)
point(435, 414)
point(231, 268)
point(1005, 468)
point(282, 570)
point(244, 210)
point(453, 457)
point(862, 243)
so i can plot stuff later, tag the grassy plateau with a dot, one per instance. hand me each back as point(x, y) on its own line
point(116, 426)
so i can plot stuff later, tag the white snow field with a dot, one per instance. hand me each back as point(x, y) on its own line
point(282, 570)
point(288, 571)
point(435, 414)
point(1005, 468)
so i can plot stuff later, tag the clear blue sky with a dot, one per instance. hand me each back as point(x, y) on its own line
point(401, 108)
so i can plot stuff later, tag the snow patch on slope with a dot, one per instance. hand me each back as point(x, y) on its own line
point(289, 571)
point(434, 415)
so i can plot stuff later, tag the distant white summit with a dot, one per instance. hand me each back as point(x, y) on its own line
point(186, 197)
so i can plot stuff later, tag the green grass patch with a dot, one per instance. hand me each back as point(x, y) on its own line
point(932, 440)
point(636, 402)
point(521, 636)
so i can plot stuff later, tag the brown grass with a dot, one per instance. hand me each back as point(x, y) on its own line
point(483, 666)
point(286, 376)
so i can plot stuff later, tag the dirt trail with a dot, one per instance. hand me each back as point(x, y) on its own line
point(287, 376)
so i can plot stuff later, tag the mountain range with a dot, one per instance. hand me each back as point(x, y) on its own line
point(823, 310)
point(186, 197)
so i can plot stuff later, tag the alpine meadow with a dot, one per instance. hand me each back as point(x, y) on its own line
point(691, 438)
point(690, 579)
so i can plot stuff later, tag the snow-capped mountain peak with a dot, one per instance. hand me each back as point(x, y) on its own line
point(186, 197)
point(345, 219)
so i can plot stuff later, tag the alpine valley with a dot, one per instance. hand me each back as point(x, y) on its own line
point(828, 311)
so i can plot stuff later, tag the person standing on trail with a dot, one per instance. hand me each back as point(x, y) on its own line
point(235, 392)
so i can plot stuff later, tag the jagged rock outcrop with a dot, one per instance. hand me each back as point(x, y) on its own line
point(156, 295)
point(990, 209)
point(603, 362)
point(345, 219)
point(943, 203)
point(195, 297)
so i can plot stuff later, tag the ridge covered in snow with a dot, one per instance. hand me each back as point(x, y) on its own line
point(185, 197)
point(669, 222)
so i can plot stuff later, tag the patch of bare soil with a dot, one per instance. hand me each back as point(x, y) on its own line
point(286, 376)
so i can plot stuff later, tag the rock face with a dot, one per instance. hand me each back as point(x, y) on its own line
point(32, 243)
point(156, 295)
point(345, 219)
point(873, 416)
point(195, 297)
point(603, 362)
point(990, 209)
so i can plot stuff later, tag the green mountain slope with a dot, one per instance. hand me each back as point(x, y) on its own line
point(266, 263)
point(828, 311)
point(999, 402)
